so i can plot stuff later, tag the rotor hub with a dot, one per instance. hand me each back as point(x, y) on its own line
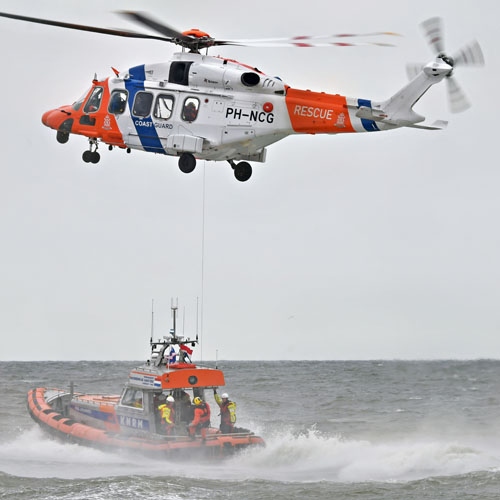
point(447, 59)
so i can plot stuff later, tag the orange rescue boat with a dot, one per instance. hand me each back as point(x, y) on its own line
point(133, 420)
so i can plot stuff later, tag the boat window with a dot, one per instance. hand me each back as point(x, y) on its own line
point(118, 102)
point(78, 104)
point(132, 397)
point(164, 106)
point(142, 104)
point(94, 101)
point(190, 109)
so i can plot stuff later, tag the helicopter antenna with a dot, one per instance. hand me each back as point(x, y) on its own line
point(216, 357)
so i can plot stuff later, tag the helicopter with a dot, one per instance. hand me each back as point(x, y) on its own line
point(197, 106)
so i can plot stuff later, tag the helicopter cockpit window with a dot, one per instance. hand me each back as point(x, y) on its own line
point(118, 102)
point(94, 101)
point(142, 104)
point(133, 398)
point(190, 109)
point(164, 106)
point(78, 104)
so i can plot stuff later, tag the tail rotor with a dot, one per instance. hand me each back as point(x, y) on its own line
point(469, 55)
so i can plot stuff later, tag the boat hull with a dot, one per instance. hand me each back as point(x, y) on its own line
point(51, 418)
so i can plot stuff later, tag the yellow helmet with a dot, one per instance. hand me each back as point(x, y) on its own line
point(197, 401)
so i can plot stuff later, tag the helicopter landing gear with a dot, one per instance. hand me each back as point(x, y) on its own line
point(62, 137)
point(187, 162)
point(91, 156)
point(242, 170)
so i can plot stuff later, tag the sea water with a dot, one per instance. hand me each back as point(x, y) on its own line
point(333, 429)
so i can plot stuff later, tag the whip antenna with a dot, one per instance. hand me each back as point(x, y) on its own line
point(197, 311)
point(152, 319)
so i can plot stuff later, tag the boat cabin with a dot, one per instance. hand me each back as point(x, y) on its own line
point(169, 372)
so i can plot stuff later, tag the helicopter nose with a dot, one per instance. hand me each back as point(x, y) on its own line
point(51, 118)
point(55, 117)
point(45, 118)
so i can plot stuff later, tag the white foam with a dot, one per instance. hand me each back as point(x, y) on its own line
point(307, 457)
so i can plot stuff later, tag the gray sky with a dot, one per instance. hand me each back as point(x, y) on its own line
point(378, 245)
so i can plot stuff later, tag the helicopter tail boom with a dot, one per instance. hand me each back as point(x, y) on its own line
point(398, 109)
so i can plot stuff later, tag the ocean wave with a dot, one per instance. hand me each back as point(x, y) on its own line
point(288, 456)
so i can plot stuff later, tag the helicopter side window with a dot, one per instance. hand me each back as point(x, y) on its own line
point(190, 109)
point(94, 101)
point(118, 102)
point(142, 104)
point(164, 107)
point(133, 398)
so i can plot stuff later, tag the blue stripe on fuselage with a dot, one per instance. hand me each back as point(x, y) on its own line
point(369, 125)
point(144, 126)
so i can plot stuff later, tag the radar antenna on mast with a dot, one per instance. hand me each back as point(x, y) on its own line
point(163, 349)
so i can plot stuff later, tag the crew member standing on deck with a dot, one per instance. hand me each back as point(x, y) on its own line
point(168, 415)
point(227, 412)
point(201, 418)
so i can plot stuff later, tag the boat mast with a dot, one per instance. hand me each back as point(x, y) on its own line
point(174, 308)
point(152, 319)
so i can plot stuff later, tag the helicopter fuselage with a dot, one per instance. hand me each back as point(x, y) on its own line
point(213, 108)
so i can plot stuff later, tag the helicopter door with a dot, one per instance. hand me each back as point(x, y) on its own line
point(163, 114)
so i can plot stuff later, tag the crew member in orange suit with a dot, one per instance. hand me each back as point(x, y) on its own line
point(201, 418)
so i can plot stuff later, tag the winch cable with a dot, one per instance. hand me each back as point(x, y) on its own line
point(202, 260)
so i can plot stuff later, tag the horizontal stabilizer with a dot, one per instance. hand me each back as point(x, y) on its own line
point(437, 125)
point(379, 116)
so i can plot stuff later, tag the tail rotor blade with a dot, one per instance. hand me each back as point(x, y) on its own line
point(457, 98)
point(469, 55)
point(433, 31)
point(413, 69)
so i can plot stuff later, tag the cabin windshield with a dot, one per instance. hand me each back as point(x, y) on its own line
point(94, 101)
point(133, 397)
point(78, 104)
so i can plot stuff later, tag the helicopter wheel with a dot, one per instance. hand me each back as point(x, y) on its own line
point(62, 137)
point(187, 162)
point(86, 156)
point(95, 157)
point(243, 171)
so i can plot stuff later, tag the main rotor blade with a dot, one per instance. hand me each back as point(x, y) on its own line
point(81, 27)
point(296, 43)
point(148, 21)
point(309, 41)
point(469, 55)
point(457, 98)
point(433, 31)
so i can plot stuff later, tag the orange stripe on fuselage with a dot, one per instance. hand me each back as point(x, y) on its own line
point(317, 113)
